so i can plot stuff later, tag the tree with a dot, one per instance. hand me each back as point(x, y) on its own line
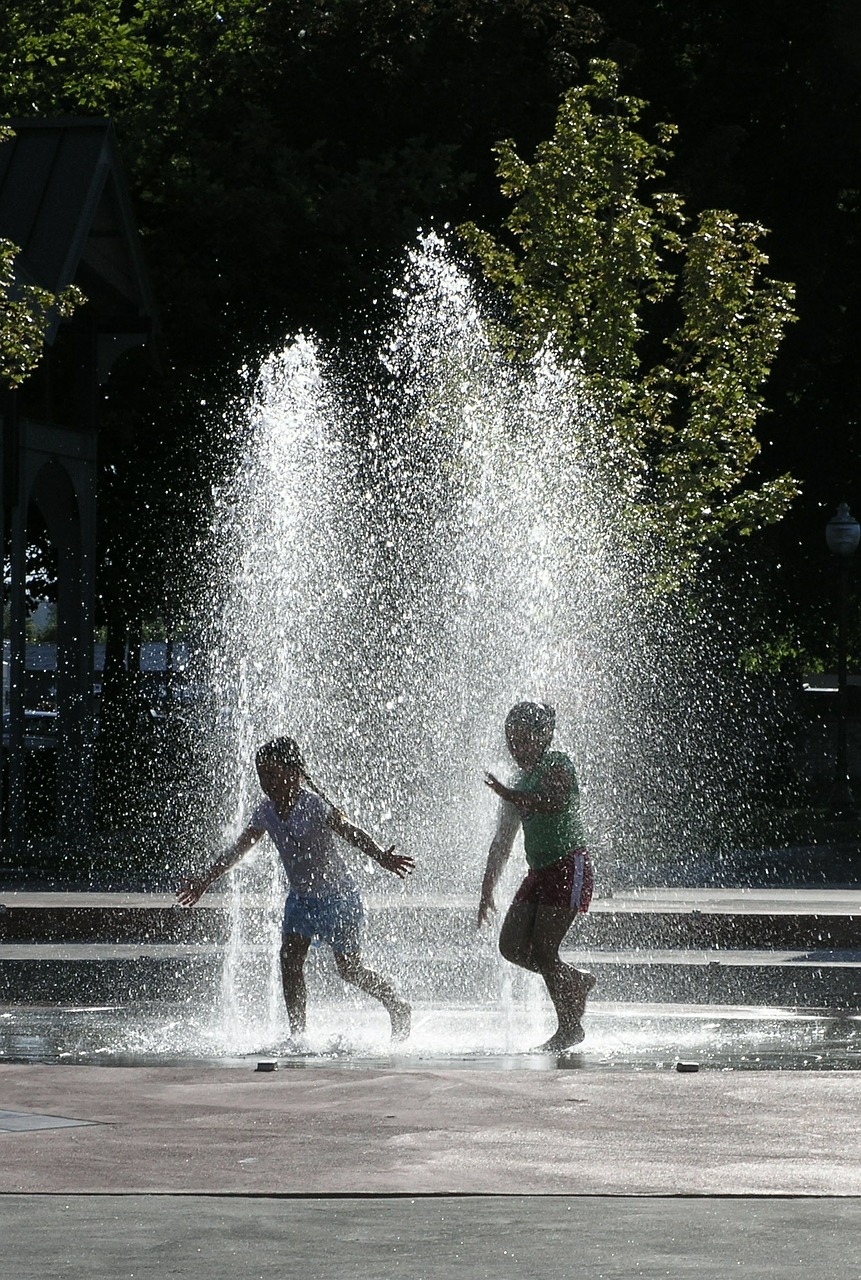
point(768, 99)
point(672, 321)
point(26, 314)
point(280, 156)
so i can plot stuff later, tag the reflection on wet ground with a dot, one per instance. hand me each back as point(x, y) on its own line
point(623, 1037)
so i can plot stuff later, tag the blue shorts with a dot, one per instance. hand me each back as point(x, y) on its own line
point(336, 919)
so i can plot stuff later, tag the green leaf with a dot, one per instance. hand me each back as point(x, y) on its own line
point(673, 323)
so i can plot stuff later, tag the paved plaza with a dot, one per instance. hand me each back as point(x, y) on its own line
point(353, 1171)
point(434, 1161)
point(427, 1238)
point(359, 1131)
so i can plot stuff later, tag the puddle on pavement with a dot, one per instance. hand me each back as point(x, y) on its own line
point(617, 1037)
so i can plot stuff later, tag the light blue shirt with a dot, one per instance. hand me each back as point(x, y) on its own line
point(306, 844)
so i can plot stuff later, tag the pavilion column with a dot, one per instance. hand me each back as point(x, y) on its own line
point(75, 699)
point(16, 772)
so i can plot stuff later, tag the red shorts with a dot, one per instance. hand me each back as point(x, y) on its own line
point(567, 883)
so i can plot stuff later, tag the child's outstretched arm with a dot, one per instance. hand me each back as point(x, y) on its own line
point(398, 863)
point(556, 787)
point(194, 889)
point(507, 826)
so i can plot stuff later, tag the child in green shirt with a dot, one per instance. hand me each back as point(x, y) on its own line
point(560, 879)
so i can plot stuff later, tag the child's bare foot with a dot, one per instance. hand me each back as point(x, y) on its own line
point(401, 1016)
point(296, 1044)
point(564, 1038)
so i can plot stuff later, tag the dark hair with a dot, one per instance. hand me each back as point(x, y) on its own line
point(282, 751)
point(287, 753)
point(537, 716)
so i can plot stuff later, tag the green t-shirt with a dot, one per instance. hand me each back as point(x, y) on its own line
point(548, 837)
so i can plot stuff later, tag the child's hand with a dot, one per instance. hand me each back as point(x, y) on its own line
point(191, 892)
point(486, 907)
point(504, 792)
point(398, 863)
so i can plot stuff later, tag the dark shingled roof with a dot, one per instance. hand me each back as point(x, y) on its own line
point(64, 203)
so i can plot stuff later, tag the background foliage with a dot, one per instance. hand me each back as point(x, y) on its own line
point(282, 152)
point(675, 325)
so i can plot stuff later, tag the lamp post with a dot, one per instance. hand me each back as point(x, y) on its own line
point(842, 534)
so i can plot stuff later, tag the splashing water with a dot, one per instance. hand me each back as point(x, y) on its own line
point(405, 551)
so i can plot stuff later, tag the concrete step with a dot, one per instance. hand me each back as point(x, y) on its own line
point(128, 973)
point(653, 919)
point(797, 948)
point(114, 918)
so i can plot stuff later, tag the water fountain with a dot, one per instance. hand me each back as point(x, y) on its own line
point(415, 538)
point(412, 542)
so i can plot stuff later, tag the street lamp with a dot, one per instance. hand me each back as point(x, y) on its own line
point(842, 534)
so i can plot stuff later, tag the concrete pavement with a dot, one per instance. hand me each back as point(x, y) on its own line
point(349, 1131)
point(324, 1173)
point(427, 1238)
point(421, 1171)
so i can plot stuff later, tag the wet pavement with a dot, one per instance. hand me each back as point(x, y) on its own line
point(461, 1154)
point(420, 1172)
point(630, 1037)
point(429, 1238)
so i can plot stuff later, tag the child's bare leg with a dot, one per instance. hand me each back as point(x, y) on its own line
point(564, 984)
point(352, 970)
point(530, 937)
point(294, 949)
point(515, 935)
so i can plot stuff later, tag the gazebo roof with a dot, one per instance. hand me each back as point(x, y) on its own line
point(64, 203)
